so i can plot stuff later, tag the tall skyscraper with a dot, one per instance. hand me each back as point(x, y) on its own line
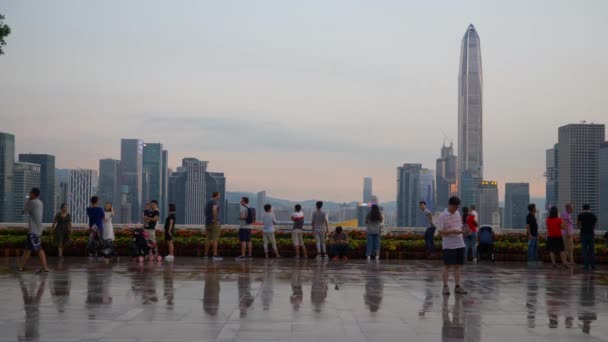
point(367, 189)
point(165, 183)
point(25, 177)
point(131, 170)
point(551, 186)
point(578, 165)
point(445, 181)
point(517, 198)
point(469, 188)
point(261, 202)
point(153, 167)
point(603, 168)
point(488, 202)
point(470, 108)
point(47, 181)
point(408, 194)
point(109, 182)
point(216, 182)
point(427, 194)
point(196, 194)
point(80, 191)
point(177, 194)
point(7, 162)
point(61, 187)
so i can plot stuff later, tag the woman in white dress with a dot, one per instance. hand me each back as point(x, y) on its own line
point(108, 229)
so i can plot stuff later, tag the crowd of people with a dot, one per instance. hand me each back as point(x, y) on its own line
point(457, 227)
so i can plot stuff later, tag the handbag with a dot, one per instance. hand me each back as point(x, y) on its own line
point(466, 230)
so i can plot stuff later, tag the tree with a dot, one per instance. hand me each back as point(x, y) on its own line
point(4, 31)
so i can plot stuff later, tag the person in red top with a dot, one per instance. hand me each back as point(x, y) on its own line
point(555, 241)
point(469, 233)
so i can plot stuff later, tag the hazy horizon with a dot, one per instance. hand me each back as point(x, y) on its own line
point(302, 100)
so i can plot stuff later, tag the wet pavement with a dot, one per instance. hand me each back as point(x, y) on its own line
point(289, 300)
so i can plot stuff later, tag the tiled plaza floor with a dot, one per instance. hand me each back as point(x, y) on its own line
point(288, 300)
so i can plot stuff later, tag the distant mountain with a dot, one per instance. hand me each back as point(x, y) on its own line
point(235, 197)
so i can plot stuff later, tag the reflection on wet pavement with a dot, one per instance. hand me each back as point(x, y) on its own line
point(289, 300)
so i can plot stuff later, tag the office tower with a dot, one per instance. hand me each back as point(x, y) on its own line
point(367, 189)
point(578, 168)
point(61, 187)
point(7, 162)
point(603, 169)
point(124, 211)
point(153, 167)
point(80, 191)
point(164, 184)
point(216, 182)
point(196, 194)
point(488, 203)
point(47, 181)
point(551, 186)
point(517, 198)
point(427, 194)
point(131, 169)
point(408, 194)
point(233, 213)
point(177, 194)
point(469, 189)
point(261, 201)
point(25, 177)
point(445, 181)
point(109, 182)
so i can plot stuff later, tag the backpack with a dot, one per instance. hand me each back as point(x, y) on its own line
point(250, 216)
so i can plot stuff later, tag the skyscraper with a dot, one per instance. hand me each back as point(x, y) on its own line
point(445, 177)
point(261, 201)
point(578, 166)
point(196, 195)
point(469, 188)
point(7, 161)
point(131, 165)
point(603, 168)
point(165, 184)
point(25, 177)
point(80, 191)
point(177, 194)
point(470, 108)
point(152, 165)
point(427, 194)
point(216, 182)
point(408, 194)
point(109, 182)
point(47, 181)
point(61, 187)
point(517, 198)
point(551, 186)
point(367, 189)
point(488, 202)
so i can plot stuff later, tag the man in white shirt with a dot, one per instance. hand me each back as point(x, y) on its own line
point(450, 229)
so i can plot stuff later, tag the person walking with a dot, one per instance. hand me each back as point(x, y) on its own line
point(170, 231)
point(429, 234)
point(374, 221)
point(450, 228)
point(62, 227)
point(213, 227)
point(568, 233)
point(33, 209)
point(320, 229)
point(269, 221)
point(587, 222)
point(532, 233)
point(469, 233)
point(555, 240)
point(247, 218)
point(297, 233)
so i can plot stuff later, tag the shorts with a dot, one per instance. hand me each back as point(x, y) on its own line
point(33, 242)
point(555, 244)
point(169, 237)
point(453, 256)
point(213, 230)
point(297, 235)
point(151, 235)
point(244, 235)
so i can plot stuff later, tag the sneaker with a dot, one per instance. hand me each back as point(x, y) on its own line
point(459, 290)
point(446, 290)
point(205, 258)
point(319, 257)
point(42, 270)
point(377, 257)
point(241, 258)
point(169, 257)
point(325, 256)
point(217, 258)
point(369, 258)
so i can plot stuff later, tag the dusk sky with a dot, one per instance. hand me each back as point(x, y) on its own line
point(299, 98)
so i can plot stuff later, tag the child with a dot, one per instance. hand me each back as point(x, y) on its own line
point(297, 234)
point(268, 231)
point(339, 244)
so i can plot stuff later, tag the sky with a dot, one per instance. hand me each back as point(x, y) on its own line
point(299, 98)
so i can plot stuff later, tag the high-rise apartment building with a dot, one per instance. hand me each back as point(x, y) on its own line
point(177, 194)
point(408, 194)
point(196, 194)
point(109, 182)
point(131, 170)
point(446, 177)
point(367, 189)
point(261, 202)
point(153, 167)
point(578, 165)
point(488, 203)
point(25, 177)
point(7, 162)
point(164, 184)
point(61, 187)
point(80, 190)
point(47, 181)
point(551, 185)
point(603, 170)
point(517, 198)
point(427, 194)
point(216, 182)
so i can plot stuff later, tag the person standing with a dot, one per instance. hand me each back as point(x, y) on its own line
point(555, 240)
point(450, 228)
point(429, 234)
point(568, 232)
point(474, 212)
point(297, 234)
point(532, 233)
point(269, 221)
point(62, 226)
point(152, 221)
point(213, 227)
point(374, 222)
point(247, 218)
point(587, 222)
point(320, 229)
point(169, 231)
point(33, 209)
point(96, 216)
point(470, 224)
point(108, 227)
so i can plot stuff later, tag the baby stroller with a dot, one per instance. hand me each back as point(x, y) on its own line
point(98, 246)
point(485, 249)
point(141, 248)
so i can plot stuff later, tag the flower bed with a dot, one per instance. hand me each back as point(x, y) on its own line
point(507, 247)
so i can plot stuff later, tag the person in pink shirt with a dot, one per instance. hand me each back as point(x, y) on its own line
point(568, 233)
